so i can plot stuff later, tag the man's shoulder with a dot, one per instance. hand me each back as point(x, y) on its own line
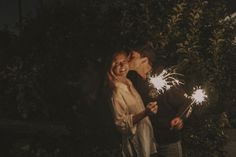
point(136, 79)
point(132, 75)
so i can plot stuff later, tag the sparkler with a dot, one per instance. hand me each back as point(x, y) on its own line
point(165, 80)
point(162, 82)
point(198, 97)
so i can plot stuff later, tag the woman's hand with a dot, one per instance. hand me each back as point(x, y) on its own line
point(151, 108)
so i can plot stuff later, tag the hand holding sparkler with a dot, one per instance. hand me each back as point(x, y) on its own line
point(151, 108)
point(198, 97)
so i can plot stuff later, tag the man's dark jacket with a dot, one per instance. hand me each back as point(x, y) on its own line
point(170, 104)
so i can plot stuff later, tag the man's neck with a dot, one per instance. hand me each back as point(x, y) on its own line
point(142, 73)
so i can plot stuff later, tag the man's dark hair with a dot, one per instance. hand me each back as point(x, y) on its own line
point(146, 51)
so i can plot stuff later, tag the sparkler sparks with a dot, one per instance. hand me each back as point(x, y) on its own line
point(198, 97)
point(164, 81)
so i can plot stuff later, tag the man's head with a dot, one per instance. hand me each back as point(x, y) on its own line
point(141, 59)
point(135, 60)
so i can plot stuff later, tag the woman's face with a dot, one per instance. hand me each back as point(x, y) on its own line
point(120, 65)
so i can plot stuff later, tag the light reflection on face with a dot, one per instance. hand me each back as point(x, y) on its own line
point(120, 65)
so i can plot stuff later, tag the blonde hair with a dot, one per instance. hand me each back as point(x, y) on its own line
point(112, 78)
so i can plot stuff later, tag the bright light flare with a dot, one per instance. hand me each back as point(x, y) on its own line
point(198, 96)
point(164, 81)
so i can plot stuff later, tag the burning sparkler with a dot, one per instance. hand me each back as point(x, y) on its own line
point(165, 80)
point(198, 97)
point(162, 82)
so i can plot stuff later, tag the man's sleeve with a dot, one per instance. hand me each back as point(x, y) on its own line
point(178, 100)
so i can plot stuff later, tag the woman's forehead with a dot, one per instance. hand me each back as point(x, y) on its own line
point(120, 56)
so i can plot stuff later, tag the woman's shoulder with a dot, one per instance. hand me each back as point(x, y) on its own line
point(121, 88)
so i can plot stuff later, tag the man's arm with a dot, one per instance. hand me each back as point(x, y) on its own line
point(180, 103)
point(178, 100)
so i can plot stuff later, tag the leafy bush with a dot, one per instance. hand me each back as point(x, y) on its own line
point(54, 70)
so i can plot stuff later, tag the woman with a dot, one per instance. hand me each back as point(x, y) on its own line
point(130, 115)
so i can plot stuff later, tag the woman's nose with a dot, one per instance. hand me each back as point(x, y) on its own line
point(122, 64)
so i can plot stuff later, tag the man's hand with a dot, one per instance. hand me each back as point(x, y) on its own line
point(177, 123)
point(151, 108)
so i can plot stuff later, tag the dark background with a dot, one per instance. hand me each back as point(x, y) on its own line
point(53, 60)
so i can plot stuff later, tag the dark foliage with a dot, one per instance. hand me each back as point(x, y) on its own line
point(52, 74)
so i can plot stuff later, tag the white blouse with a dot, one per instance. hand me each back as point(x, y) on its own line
point(138, 137)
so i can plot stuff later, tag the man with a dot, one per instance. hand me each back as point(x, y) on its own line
point(167, 123)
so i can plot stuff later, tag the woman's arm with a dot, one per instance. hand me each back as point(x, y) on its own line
point(138, 117)
point(126, 122)
point(150, 109)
